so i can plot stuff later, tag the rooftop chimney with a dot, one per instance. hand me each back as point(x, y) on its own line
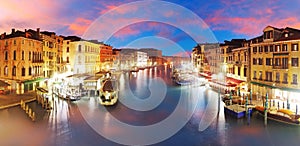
point(38, 32)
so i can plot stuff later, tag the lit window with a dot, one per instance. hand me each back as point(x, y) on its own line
point(14, 71)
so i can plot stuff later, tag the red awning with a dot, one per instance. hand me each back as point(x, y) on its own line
point(233, 80)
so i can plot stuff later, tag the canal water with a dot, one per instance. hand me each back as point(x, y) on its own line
point(152, 109)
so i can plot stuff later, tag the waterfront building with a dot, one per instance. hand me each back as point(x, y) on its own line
point(106, 57)
point(131, 58)
point(51, 52)
point(21, 60)
point(200, 55)
point(81, 56)
point(275, 64)
point(116, 59)
point(155, 56)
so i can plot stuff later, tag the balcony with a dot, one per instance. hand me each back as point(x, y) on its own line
point(280, 67)
point(284, 53)
point(38, 61)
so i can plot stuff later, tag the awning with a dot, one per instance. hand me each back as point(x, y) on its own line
point(233, 80)
point(261, 84)
point(33, 81)
point(4, 84)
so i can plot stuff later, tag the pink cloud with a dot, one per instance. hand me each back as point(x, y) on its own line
point(79, 26)
point(24, 14)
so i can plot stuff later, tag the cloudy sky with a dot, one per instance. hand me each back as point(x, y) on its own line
point(170, 27)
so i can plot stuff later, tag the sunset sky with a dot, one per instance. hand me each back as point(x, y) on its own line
point(227, 19)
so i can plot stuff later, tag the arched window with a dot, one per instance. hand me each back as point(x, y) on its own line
point(14, 71)
point(15, 55)
point(6, 55)
point(23, 71)
point(29, 71)
point(6, 70)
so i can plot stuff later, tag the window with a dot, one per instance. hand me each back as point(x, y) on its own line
point(29, 71)
point(284, 47)
point(269, 76)
point(245, 72)
point(269, 61)
point(254, 49)
point(260, 61)
point(79, 48)
point(6, 70)
point(277, 62)
point(23, 72)
point(15, 42)
point(266, 48)
point(254, 74)
point(277, 49)
point(67, 42)
point(271, 48)
point(260, 49)
point(295, 62)
point(277, 77)
point(239, 71)
point(295, 79)
point(67, 59)
point(260, 75)
point(284, 63)
point(15, 55)
point(22, 55)
point(285, 78)
point(29, 55)
point(254, 61)
point(294, 47)
point(14, 71)
point(6, 55)
point(68, 49)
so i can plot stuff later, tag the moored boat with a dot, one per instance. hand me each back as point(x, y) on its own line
point(281, 115)
point(237, 110)
point(108, 93)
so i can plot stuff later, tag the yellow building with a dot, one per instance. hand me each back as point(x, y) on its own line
point(50, 52)
point(275, 64)
point(21, 60)
point(201, 58)
point(240, 66)
point(81, 56)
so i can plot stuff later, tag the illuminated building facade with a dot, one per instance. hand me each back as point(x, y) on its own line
point(21, 60)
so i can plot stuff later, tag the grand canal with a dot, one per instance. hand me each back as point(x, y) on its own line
point(85, 122)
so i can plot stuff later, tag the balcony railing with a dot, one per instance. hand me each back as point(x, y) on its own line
point(38, 61)
point(280, 67)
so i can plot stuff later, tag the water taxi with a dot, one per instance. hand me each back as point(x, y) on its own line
point(108, 93)
point(280, 115)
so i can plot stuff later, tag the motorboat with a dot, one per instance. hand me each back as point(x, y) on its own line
point(108, 93)
point(280, 115)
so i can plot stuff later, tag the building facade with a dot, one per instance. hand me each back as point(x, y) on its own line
point(275, 64)
point(106, 57)
point(22, 60)
point(81, 56)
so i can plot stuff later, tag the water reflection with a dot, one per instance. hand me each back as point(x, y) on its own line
point(65, 125)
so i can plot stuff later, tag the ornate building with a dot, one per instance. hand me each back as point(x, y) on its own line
point(21, 60)
point(275, 63)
